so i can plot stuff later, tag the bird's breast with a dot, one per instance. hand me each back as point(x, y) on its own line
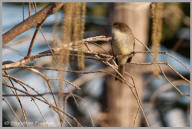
point(122, 43)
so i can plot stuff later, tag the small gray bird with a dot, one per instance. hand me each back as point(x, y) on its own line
point(123, 44)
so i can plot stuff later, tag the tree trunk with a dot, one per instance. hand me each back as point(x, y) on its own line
point(122, 105)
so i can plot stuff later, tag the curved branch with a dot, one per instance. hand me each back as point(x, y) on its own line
point(31, 21)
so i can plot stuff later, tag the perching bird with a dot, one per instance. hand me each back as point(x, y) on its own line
point(123, 44)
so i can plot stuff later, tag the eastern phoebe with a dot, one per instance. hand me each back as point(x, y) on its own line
point(123, 44)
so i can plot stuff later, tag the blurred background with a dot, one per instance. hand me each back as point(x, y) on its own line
point(163, 105)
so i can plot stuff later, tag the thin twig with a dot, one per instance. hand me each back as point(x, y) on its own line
point(51, 106)
point(34, 36)
point(19, 101)
point(166, 87)
point(14, 113)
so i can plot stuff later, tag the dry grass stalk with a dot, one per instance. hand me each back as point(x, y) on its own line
point(76, 30)
point(55, 27)
point(78, 33)
point(63, 58)
point(66, 30)
point(81, 64)
point(157, 13)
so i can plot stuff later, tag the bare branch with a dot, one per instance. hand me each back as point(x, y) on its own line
point(35, 19)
